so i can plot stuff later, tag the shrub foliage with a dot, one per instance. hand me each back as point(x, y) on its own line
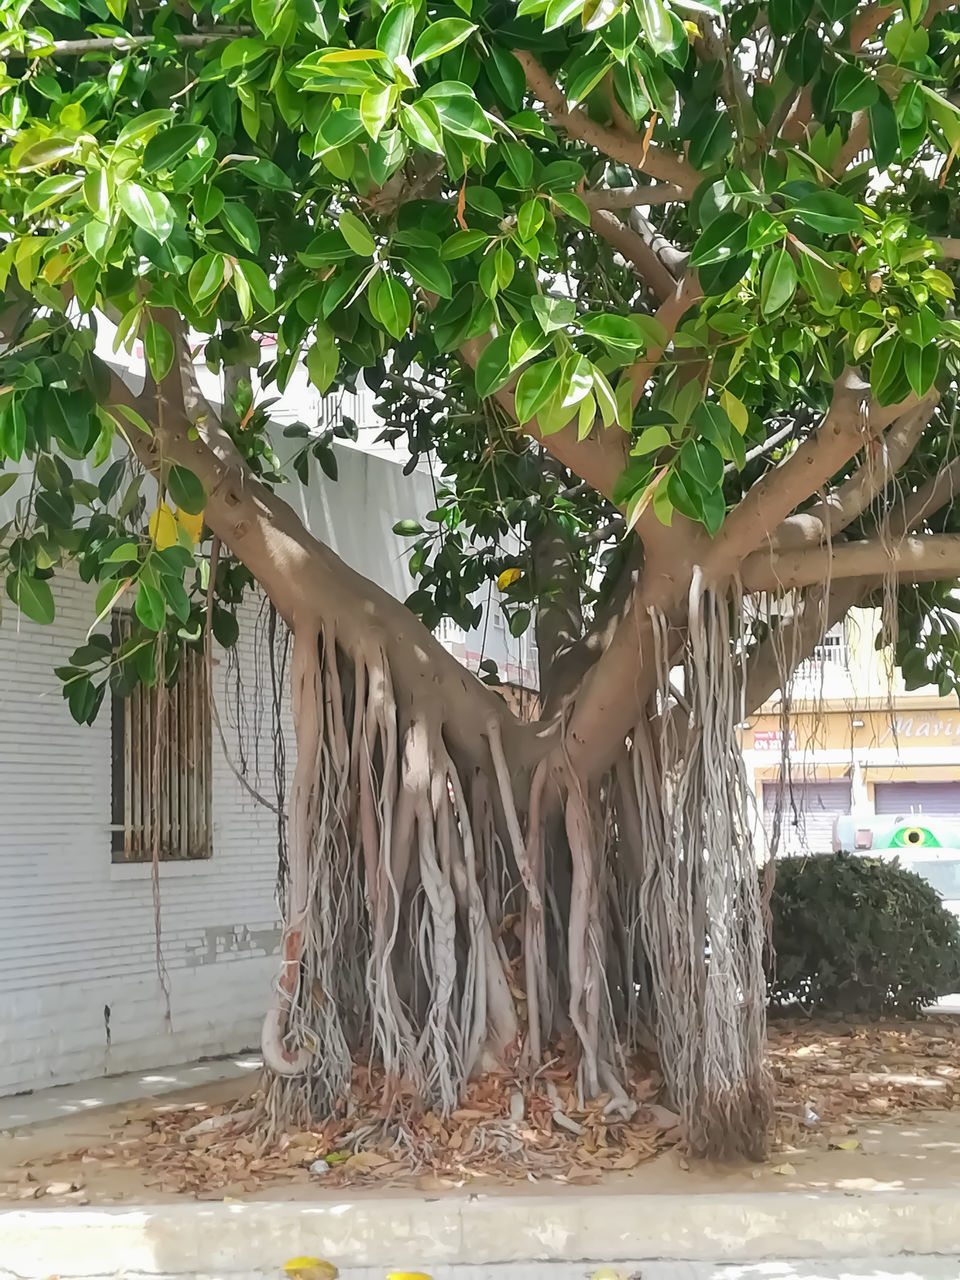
point(856, 935)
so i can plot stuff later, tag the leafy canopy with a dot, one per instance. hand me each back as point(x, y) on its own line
point(446, 198)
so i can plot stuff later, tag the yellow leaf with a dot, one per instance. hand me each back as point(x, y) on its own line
point(407, 1275)
point(735, 410)
point(848, 1144)
point(192, 525)
point(310, 1269)
point(506, 579)
point(163, 527)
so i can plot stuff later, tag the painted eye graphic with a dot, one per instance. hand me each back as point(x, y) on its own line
point(915, 837)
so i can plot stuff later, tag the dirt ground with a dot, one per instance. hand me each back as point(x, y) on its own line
point(859, 1107)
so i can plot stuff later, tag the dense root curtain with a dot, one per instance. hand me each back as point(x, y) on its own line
point(699, 900)
point(445, 913)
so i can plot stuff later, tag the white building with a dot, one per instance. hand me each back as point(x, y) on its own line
point(80, 992)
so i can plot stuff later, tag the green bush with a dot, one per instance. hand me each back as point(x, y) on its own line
point(858, 935)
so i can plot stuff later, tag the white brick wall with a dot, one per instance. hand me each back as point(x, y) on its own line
point(76, 930)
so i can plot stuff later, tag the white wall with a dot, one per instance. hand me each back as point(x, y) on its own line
point(77, 930)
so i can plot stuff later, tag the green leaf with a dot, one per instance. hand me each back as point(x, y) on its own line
point(166, 148)
point(13, 428)
point(701, 461)
point(884, 135)
point(323, 359)
point(408, 528)
point(390, 304)
point(821, 280)
point(572, 206)
point(51, 191)
point(530, 218)
point(886, 368)
point(419, 121)
point(907, 43)
point(48, 151)
point(159, 350)
point(150, 607)
point(150, 210)
point(493, 367)
point(853, 90)
point(242, 225)
point(829, 212)
point(711, 139)
point(186, 490)
point(650, 440)
point(535, 386)
point(778, 282)
point(462, 243)
point(724, 238)
point(921, 365)
point(54, 509)
point(526, 341)
point(206, 277)
point(786, 16)
point(428, 271)
point(506, 76)
point(375, 108)
point(484, 201)
point(7, 481)
point(519, 621)
point(32, 596)
point(266, 174)
point(559, 12)
point(520, 162)
point(356, 235)
point(553, 313)
point(439, 37)
point(395, 30)
point(225, 628)
point(804, 56)
point(656, 24)
point(622, 335)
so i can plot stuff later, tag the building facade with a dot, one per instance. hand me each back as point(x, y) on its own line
point(859, 746)
point(85, 989)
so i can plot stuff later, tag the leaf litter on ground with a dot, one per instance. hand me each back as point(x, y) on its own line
point(829, 1077)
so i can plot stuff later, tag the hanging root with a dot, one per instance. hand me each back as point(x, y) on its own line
point(699, 899)
point(447, 913)
point(401, 863)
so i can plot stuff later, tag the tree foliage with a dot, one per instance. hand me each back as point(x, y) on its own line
point(663, 289)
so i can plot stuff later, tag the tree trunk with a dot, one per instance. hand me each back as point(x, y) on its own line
point(424, 818)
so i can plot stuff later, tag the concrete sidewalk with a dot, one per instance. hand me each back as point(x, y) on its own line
point(387, 1232)
point(914, 1268)
point(62, 1101)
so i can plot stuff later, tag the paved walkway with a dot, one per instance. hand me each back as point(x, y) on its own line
point(906, 1268)
point(45, 1105)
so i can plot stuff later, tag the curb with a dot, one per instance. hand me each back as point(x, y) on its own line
point(416, 1233)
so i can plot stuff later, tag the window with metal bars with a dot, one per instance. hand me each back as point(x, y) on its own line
point(162, 766)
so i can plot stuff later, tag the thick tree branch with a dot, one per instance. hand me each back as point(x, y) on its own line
point(599, 458)
point(778, 656)
point(635, 249)
point(849, 500)
point(670, 313)
point(124, 44)
point(935, 557)
point(799, 636)
point(307, 582)
point(632, 197)
point(629, 148)
point(851, 421)
point(949, 245)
